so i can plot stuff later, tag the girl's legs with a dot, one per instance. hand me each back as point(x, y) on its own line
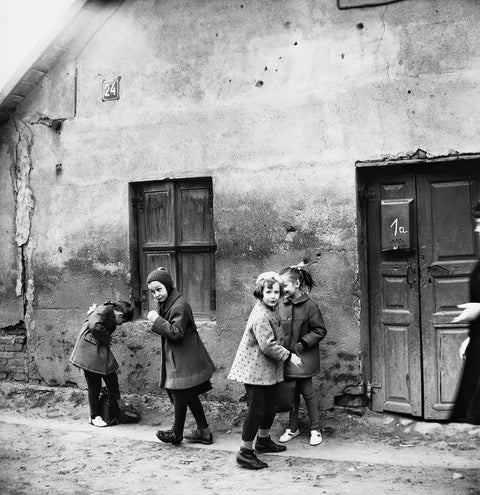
point(111, 381)
point(293, 414)
point(94, 384)
point(260, 415)
point(305, 386)
point(180, 402)
point(270, 410)
point(255, 413)
point(195, 406)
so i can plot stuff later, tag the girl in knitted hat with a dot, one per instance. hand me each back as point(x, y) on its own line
point(186, 364)
point(258, 364)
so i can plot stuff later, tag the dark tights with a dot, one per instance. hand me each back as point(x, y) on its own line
point(261, 409)
point(181, 400)
point(94, 384)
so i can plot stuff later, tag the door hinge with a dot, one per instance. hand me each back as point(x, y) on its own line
point(138, 203)
point(213, 300)
point(371, 386)
point(366, 194)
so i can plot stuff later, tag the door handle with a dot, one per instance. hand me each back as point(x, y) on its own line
point(433, 266)
point(411, 271)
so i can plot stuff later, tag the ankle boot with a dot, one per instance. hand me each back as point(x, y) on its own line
point(247, 459)
point(266, 444)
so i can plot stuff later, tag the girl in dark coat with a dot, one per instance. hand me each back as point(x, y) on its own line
point(467, 402)
point(92, 353)
point(303, 329)
point(186, 364)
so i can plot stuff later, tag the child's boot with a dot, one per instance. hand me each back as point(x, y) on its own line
point(200, 436)
point(247, 459)
point(266, 444)
point(169, 436)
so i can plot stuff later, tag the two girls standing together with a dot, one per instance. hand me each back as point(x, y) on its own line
point(268, 354)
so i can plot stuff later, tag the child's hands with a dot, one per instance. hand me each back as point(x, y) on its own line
point(152, 316)
point(300, 348)
point(295, 360)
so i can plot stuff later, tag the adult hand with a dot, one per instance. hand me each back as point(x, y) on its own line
point(463, 348)
point(295, 360)
point(471, 311)
point(152, 316)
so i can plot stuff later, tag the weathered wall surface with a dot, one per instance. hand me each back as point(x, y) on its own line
point(275, 100)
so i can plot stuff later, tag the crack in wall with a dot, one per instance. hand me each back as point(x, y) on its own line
point(24, 207)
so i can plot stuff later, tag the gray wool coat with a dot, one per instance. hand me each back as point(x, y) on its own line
point(185, 361)
point(260, 354)
point(92, 348)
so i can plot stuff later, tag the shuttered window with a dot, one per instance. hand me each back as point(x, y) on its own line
point(174, 229)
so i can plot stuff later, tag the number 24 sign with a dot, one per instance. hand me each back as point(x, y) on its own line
point(111, 89)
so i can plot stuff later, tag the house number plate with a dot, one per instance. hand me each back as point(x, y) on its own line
point(111, 89)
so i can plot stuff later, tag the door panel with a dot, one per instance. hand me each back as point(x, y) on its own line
point(447, 257)
point(395, 328)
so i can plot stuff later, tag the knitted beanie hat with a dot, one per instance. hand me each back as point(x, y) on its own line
point(161, 275)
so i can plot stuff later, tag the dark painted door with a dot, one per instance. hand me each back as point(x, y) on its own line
point(413, 292)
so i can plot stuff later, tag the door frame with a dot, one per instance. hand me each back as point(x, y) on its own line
point(362, 168)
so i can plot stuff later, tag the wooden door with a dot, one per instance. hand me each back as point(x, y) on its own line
point(413, 293)
point(447, 256)
point(394, 307)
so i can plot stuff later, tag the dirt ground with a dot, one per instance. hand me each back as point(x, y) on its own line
point(48, 447)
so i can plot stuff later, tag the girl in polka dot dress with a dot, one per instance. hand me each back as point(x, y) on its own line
point(259, 364)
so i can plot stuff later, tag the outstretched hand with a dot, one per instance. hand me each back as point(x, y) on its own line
point(295, 360)
point(471, 311)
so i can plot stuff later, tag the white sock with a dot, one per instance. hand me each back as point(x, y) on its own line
point(263, 433)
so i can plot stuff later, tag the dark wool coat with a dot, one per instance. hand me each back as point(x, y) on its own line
point(92, 348)
point(303, 329)
point(467, 402)
point(185, 361)
point(260, 354)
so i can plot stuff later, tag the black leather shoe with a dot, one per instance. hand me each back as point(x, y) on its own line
point(198, 437)
point(266, 444)
point(247, 459)
point(168, 437)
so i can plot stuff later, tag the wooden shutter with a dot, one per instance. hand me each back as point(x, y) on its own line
point(175, 230)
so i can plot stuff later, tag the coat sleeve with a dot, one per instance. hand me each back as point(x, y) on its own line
point(262, 329)
point(97, 325)
point(317, 328)
point(175, 328)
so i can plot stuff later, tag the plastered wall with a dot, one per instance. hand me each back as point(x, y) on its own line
point(276, 101)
